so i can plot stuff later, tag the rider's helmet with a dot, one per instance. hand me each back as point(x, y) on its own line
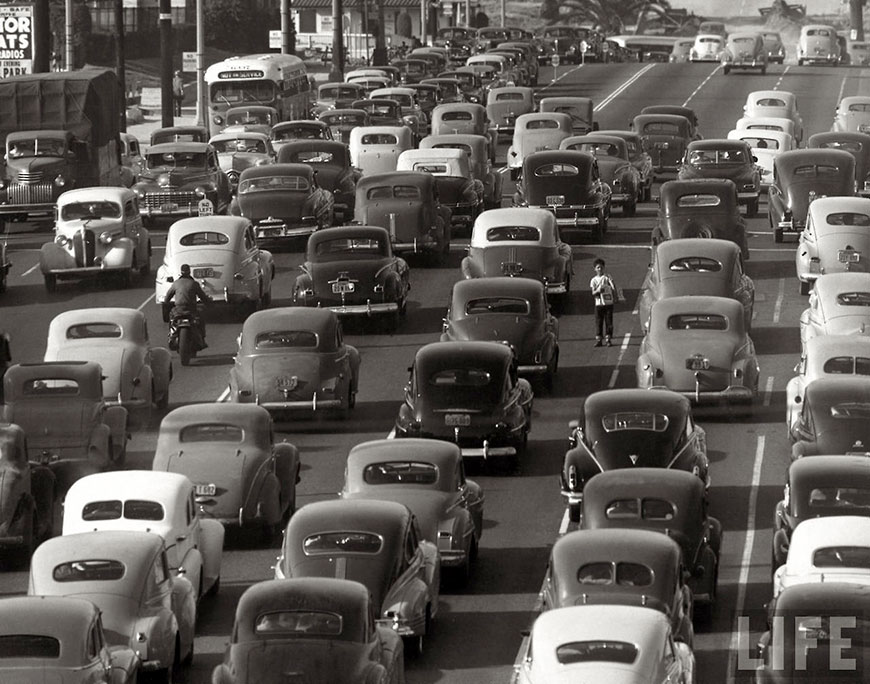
point(185, 269)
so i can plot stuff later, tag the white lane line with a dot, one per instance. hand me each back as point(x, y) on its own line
point(780, 296)
point(622, 349)
point(607, 100)
point(30, 270)
point(701, 85)
point(768, 390)
point(782, 76)
point(554, 81)
point(842, 89)
point(145, 303)
point(224, 396)
point(748, 543)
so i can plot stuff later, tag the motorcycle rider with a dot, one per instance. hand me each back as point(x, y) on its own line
point(186, 291)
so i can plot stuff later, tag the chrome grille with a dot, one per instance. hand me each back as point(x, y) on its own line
point(30, 177)
point(42, 193)
point(83, 247)
point(155, 200)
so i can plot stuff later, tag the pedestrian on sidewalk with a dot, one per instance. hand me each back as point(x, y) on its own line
point(605, 294)
point(177, 92)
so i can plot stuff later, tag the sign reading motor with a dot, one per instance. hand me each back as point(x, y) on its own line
point(16, 40)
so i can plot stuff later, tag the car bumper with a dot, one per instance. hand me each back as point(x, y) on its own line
point(621, 198)
point(11, 541)
point(404, 627)
point(270, 233)
point(733, 394)
point(367, 309)
point(85, 271)
point(487, 451)
point(744, 197)
point(453, 558)
point(532, 369)
point(27, 212)
point(557, 288)
point(314, 404)
point(426, 243)
point(789, 227)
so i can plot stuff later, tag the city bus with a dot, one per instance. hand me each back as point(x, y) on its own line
point(272, 79)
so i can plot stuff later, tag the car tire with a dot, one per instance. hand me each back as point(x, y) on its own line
point(777, 235)
point(184, 345)
point(50, 282)
point(598, 230)
point(574, 511)
point(163, 402)
point(752, 208)
point(647, 192)
point(726, 70)
point(629, 208)
point(805, 287)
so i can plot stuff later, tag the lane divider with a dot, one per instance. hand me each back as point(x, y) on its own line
point(620, 89)
point(701, 85)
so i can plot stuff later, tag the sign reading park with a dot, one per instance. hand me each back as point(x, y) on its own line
point(16, 40)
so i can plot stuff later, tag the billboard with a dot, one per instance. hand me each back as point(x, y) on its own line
point(16, 40)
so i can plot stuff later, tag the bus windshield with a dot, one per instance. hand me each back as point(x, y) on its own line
point(233, 92)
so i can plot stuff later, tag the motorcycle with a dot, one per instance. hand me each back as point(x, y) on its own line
point(185, 336)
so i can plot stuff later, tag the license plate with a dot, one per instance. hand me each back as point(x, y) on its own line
point(510, 119)
point(511, 268)
point(864, 128)
point(697, 363)
point(203, 273)
point(168, 207)
point(555, 199)
point(204, 489)
point(660, 145)
point(342, 287)
point(847, 256)
point(457, 420)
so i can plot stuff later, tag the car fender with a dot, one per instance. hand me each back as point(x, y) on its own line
point(263, 496)
point(98, 447)
point(354, 361)
point(222, 674)
point(53, 257)
point(184, 608)
point(115, 418)
point(470, 268)
point(793, 399)
point(585, 466)
point(287, 471)
point(191, 569)
point(120, 254)
point(211, 544)
point(161, 370)
point(159, 643)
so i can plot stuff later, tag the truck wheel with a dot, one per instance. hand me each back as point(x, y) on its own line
point(777, 235)
point(805, 287)
point(752, 208)
point(165, 310)
point(629, 208)
point(184, 345)
point(574, 512)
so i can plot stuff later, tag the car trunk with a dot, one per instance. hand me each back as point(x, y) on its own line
point(111, 358)
point(464, 417)
point(405, 221)
point(68, 436)
point(844, 251)
point(511, 260)
point(798, 195)
point(281, 377)
point(695, 225)
point(220, 465)
point(557, 190)
point(283, 204)
point(428, 506)
point(522, 333)
point(688, 283)
point(360, 276)
point(697, 349)
point(305, 659)
point(635, 449)
point(371, 570)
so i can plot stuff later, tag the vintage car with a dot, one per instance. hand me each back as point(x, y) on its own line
point(839, 304)
point(468, 393)
point(406, 204)
point(256, 118)
point(150, 501)
point(767, 124)
point(428, 96)
point(833, 417)
point(286, 201)
point(68, 425)
point(557, 40)
point(773, 46)
point(744, 50)
point(677, 110)
point(520, 242)
point(505, 70)
point(448, 89)
point(766, 146)
point(696, 266)
point(376, 149)
point(370, 83)
point(98, 233)
point(385, 111)
point(631, 428)
point(299, 129)
point(774, 104)
point(817, 44)
point(859, 52)
point(477, 148)
point(580, 109)
point(464, 118)
point(471, 84)
point(458, 189)
point(700, 208)
point(708, 47)
point(811, 628)
point(182, 179)
point(668, 501)
point(185, 133)
point(377, 543)
point(852, 115)
point(240, 476)
point(126, 574)
point(699, 346)
point(295, 359)
point(504, 309)
point(681, 50)
point(224, 258)
point(723, 158)
point(620, 567)
point(367, 72)
point(336, 95)
point(829, 549)
point(27, 498)
point(352, 271)
point(819, 488)
point(534, 132)
point(639, 158)
point(60, 639)
point(605, 643)
point(135, 374)
point(665, 137)
point(427, 476)
point(799, 177)
point(828, 355)
point(413, 69)
point(412, 114)
point(239, 151)
point(857, 144)
point(614, 165)
point(342, 121)
point(322, 628)
point(505, 104)
point(568, 184)
point(835, 239)
point(131, 158)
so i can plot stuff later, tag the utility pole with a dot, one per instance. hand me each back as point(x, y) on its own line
point(337, 73)
point(164, 22)
point(856, 17)
point(41, 38)
point(288, 37)
point(119, 59)
point(68, 11)
point(200, 65)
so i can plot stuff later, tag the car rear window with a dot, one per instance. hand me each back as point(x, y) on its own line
point(379, 139)
point(842, 500)
point(211, 432)
point(710, 40)
point(815, 170)
point(847, 365)
point(338, 119)
point(746, 40)
point(548, 170)
point(51, 387)
point(695, 264)
point(286, 339)
point(847, 218)
point(205, 237)
point(342, 542)
point(596, 652)
point(298, 133)
point(640, 509)
point(661, 128)
point(457, 116)
point(393, 191)
point(761, 143)
point(818, 32)
point(88, 571)
point(85, 331)
point(240, 145)
point(503, 97)
point(702, 157)
point(158, 159)
point(300, 623)
point(90, 210)
point(859, 107)
point(624, 574)
point(499, 305)
point(29, 646)
point(435, 168)
point(635, 420)
point(132, 509)
point(401, 472)
point(453, 146)
point(279, 183)
point(853, 299)
point(540, 124)
point(852, 409)
point(598, 149)
point(313, 157)
point(697, 321)
point(345, 247)
point(460, 377)
point(845, 145)
point(770, 102)
point(513, 233)
point(842, 557)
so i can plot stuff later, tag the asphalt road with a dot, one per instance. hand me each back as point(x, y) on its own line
point(477, 634)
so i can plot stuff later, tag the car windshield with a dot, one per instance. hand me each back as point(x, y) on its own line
point(76, 211)
point(661, 128)
point(400, 472)
point(695, 264)
point(623, 574)
point(113, 509)
point(51, 387)
point(513, 234)
point(379, 139)
point(344, 248)
point(274, 183)
point(456, 116)
point(240, 145)
point(36, 147)
point(435, 168)
point(88, 571)
point(841, 500)
point(596, 652)
point(286, 339)
point(697, 321)
point(598, 149)
point(847, 365)
point(853, 409)
point(634, 420)
point(540, 124)
point(85, 331)
point(203, 238)
point(455, 146)
point(298, 133)
point(211, 432)
point(846, 145)
point(337, 93)
point(640, 509)
point(859, 107)
point(509, 97)
point(342, 542)
point(842, 557)
point(694, 201)
point(853, 299)
point(497, 305)
point(847, 218)
point(299, 623)
point(158, 160)
point(717, 157)
point(342, 119)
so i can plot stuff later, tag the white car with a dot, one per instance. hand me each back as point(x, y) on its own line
point(852, 115)
point(839, 305)
point(775, 103)
point(825, 356)
point(766, 145)
point(605, 643)
point(151, 501)
point(534, 132)
point(708, 47)
point(831, 549)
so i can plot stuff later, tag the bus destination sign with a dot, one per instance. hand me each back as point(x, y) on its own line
point(240, 73)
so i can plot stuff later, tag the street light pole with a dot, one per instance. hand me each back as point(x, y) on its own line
point(68, 36)
point(164, 22)
point(337, 73)
point(119, 59)
point(200, 65)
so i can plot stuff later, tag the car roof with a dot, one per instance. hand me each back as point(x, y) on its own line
point(299, 123)
point(161, 486)
point(110, 193)
point(430, 153)
point(729, 307)
point(830, 285)
point(829, 470)
point(821, 207)
point(541, 219)
point(346, 232)
point(438, 355)
point(320, 321)
point(308, 145)
point(496, 286)
point(584, 160)
point(162, 148)
point(473, 140)
point(807, 156)
point(780, 136)
point(385, 518)
point(65, 618)
point(238, 135)
point(614, 400)
point(683, 488)
point(443, 455)
point(823, 347)
point(785, 95)
point(675, 119)
point(816, 533)
point(817, 139)
point(278, 169)
point(87, 374)
point(251, 417)
point(131, 321)
point(673, 189)
point(843, 598)
point(832, 389)
point(744, 34)
point(420, 178)
point(232, 226)
point(725, 251)
point(716, 143)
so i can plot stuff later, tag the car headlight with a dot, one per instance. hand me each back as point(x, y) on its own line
point(106, 238)
point(62, 240)
point(218, 119)
point(203, 190)
point(60, 180)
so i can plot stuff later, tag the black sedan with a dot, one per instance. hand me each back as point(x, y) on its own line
point(731, 159)
point(834, 418)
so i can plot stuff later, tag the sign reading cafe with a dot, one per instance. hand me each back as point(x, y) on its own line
point(16, 40)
